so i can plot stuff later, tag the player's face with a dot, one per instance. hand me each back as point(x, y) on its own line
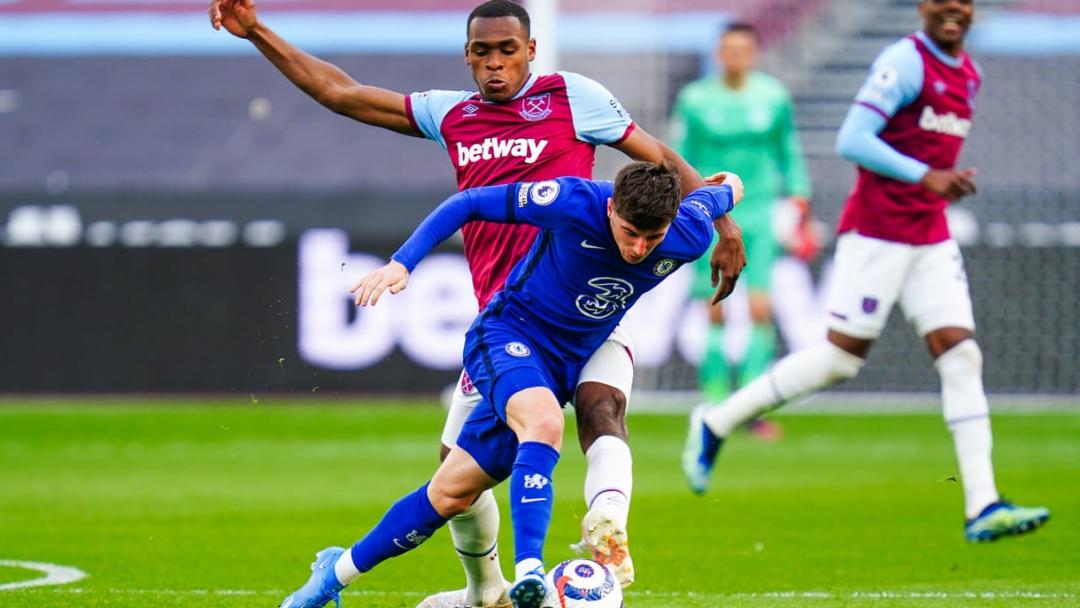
point(946, 22)
point(737, 53)
point(634, 243)
point(498, 52)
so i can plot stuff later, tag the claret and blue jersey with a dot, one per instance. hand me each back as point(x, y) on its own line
point(573, 286)
point(913, 113)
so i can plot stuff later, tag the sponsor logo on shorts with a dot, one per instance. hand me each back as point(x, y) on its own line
point(517, 349)
point(664, 267)
point(543, 193)
point(537, 107)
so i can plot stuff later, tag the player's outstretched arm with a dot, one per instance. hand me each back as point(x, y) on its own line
point(323, 81)
point(727, 261)
point(394, 276)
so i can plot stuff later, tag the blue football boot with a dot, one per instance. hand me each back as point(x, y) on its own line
point(323, 585)
point(700, 451)
point(1003, 519)
point(529, 591)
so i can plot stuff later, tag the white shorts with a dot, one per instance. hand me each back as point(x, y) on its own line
point(612, 364)
point(871, 275)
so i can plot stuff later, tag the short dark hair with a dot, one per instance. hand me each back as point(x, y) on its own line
point(647, 195)
point(740, 27)
point(500, 8)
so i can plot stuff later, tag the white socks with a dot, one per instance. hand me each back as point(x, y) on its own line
point(475, 532)
point(345, 569)
point(609, 479)
point(803, 371)
point(967, 415)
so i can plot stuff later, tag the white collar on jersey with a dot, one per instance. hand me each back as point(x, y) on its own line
point(944, 57)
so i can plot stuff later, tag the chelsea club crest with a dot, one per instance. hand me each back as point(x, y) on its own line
point(517, 349)
point(664, 267)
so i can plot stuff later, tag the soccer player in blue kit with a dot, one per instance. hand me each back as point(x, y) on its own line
point(602, 245)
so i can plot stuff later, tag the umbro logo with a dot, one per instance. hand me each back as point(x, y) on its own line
point(470, 110)
point(587, 245)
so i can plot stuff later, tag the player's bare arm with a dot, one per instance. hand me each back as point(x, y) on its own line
point(953, 184)
point(323, 81)
point(728, 258)
point(393, 276)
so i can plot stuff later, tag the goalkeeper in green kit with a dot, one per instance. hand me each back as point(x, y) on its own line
point(741, 121)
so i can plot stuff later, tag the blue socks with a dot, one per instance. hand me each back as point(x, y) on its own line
point(408, 523)
point(413, 519)
point(531, 497)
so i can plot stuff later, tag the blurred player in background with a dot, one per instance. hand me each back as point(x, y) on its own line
point(518, 126)
point(603, 246)
point(904, 132)
point(742, 121)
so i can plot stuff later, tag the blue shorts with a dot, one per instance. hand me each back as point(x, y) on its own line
point(490, 442)
point(501, 360)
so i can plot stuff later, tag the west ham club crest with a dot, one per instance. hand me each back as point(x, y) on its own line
point(536, 107)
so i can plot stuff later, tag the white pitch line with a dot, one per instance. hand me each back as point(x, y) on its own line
point(805, 595)
point(54, 574)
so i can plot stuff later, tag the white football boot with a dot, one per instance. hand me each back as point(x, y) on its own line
point(606, 539)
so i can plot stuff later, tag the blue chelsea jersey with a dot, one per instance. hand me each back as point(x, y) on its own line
point(573, 287)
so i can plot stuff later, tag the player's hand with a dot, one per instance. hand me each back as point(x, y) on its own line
point(953, 184)
point(728, 257)
point(394, 276)
point(731, 179)
point(807, 235)
point(237, 16)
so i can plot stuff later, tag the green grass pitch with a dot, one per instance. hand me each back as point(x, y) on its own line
point(195, 504)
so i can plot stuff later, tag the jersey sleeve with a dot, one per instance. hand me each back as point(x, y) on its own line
point(491, 203)
point(427, 110)
point(858, 142)
point(599, 118)
point(552, 204)
point(895, 80)
point(693, 227)
point(549, 204)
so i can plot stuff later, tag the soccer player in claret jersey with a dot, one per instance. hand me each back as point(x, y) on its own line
point(904, 132)
point(518, 126)
point(602, 246)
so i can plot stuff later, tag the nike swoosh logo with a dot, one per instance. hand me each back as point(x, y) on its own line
point(585, 243)
point(525, 501)
point(401, 545)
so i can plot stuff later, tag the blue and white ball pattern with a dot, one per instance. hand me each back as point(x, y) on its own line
point(583, 583)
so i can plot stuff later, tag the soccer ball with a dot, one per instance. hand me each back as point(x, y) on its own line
point(582, 583)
